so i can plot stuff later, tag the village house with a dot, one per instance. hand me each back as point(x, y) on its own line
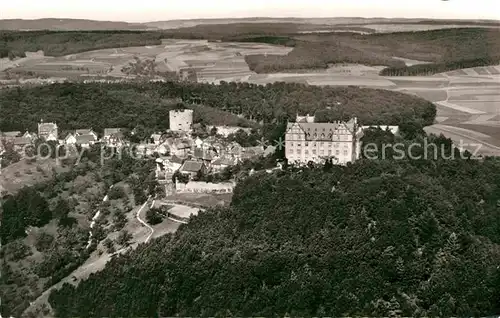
point(179, 146)
point(48, 131)
point(204, 155)
point(175, 163)
point(29, 135)
point(306, 140)
point(18, 144)
point(70, 139)
point(21, 142)
point(10, 134)
point(113, 137)
point(85, 141)
point(228, 130)
point(198, 142)
point(162, 149)
point(204, 187)
point(192, 168)
point(156, 138)
point(82, 132)
point(252, 152)
point(220, 164)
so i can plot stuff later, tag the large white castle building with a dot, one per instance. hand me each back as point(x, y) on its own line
point(307, 140)
point(181, 120)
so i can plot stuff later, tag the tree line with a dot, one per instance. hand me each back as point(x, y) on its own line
point(434, 68)
point(128, 105)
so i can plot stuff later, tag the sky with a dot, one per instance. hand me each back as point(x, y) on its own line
point(159, 10)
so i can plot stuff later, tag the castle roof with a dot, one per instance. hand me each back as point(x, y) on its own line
point(325, 131)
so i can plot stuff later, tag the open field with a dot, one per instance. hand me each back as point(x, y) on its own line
point(23, 173)
point(220, 61)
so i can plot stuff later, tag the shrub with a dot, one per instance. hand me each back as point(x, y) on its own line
point(116, 193)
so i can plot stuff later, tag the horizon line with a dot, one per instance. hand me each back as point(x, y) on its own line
point(261, 17)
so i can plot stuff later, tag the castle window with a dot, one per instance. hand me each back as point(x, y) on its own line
point(345, 152)
point(298, 151)
point(337, 152)
point(321, 152)
point(306, 152)
point(330, 152)
point(307, 144)
point(314, 151)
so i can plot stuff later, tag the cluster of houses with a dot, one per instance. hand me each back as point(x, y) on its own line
point(194, 156)
point(49, 131)
point(176, 149)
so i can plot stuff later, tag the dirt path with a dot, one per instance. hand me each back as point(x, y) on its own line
point(138, 217)
point(94, 219)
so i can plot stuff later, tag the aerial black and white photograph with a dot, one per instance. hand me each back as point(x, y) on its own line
point(250, 158)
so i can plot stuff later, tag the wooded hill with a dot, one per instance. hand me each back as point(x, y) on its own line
point(447, 49)
point(376, 238)
point(127, 105)
point(58, 43)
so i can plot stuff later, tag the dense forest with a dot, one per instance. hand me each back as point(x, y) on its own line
point(434, 68)
point(127, 105)
point(376, 238)
point(55, 43)
point(450, 47)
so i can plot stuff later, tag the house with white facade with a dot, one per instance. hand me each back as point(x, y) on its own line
point(70, 139)
point(48, 131)
point(81, 132)
point(307, 140)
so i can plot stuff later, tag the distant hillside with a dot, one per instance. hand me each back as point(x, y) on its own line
point(82, 24)
point(68, 24)
point(336, 21)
